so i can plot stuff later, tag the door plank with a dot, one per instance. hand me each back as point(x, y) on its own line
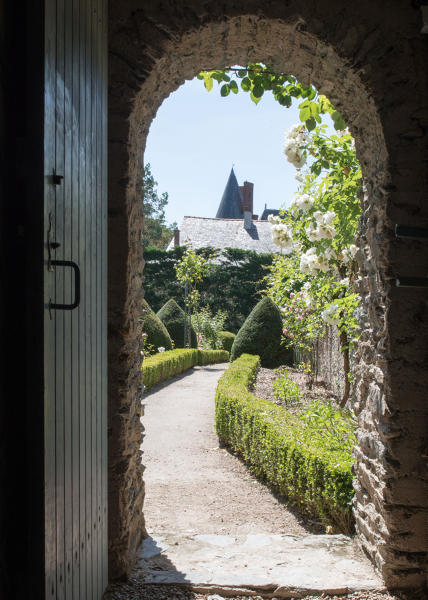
point(104, 459)
point(50, 319)
point(88, 304)
point(68, 294)
point(82, 313)
point(76, 377)
point(75, 315)
point(59, 298)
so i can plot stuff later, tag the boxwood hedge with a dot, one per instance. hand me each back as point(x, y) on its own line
point(226, 339)
point(281, 450)
point(165, 365)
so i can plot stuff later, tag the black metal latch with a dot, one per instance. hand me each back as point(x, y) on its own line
point(76, 302)
point(412, 233)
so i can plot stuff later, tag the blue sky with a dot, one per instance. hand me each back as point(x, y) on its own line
point(197, 136)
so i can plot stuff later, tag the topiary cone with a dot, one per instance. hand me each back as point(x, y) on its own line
point(172, 316)
point(261, 334)
point(157, 333)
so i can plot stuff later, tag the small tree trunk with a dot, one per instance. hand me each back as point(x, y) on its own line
point(346, 368)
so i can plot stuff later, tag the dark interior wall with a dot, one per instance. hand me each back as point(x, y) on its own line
point(21, 230)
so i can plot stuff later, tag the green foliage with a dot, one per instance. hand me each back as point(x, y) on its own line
point(212, 357)
point(320, 284)
point(336, 427)
point(208, 327)
point(282, 449)
point(155, 230)
point(232, 284)
point(286, 390)
point(172, 316)
point(226, 339)
point(190, 271)
point(261, 334)
point(155, 332)
point(164, 365)
point(256, 79)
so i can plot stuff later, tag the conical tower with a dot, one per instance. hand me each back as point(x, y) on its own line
point(231, 202)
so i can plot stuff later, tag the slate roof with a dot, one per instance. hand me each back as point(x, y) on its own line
point(231, 202)
point(202, 232)
point(269, 211)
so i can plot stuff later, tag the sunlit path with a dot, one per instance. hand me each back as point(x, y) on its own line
point(211, 524)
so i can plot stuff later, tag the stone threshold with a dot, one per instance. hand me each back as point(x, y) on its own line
point(281, 566)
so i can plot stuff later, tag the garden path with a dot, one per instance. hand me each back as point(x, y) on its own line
point(211, 524)
point(193, 485)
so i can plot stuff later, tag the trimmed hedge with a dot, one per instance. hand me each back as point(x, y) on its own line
point(211, 357)
point(261, 334)
point(157, 333)
point(281, 450)
point(226, 339)
point(172, 316)
point(165, 365)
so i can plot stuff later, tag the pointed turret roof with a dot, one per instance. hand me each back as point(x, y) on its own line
point(231, 202)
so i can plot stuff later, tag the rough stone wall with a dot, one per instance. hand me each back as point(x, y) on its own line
point(328, 361)
point(370, 60)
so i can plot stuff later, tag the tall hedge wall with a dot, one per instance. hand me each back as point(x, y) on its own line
point(233, 285)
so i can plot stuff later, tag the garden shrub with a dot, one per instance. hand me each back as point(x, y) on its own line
point(157, 333)
point(211, 357)
point(172, 316)
point(226, 339)
point(164, 365)
point(261, 334)
point(208, 327)
point(282, 450)
point(285, 390)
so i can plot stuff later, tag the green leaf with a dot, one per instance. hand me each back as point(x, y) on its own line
point(310, 124)
point(208, 83)
point(258, 91)
point(225, 90)
point(246, 84)
point(233, 87)
point(293, 91)
point(284, 100)
point(254, 98)
point(339, 123)
point(305, 113)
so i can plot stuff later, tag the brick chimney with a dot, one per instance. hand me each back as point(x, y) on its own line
point(247, 196)
point(176, 237)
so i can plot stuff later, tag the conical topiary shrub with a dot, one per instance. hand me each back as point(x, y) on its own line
point(261, 334)
point(157, 333)
point(172, 316)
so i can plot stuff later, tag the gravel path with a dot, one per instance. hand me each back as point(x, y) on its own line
point(192, 485)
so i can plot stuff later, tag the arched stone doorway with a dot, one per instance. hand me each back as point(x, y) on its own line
point(371, 66)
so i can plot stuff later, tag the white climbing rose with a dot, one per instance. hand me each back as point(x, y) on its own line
point(303, 202)
point(295, 138)
point(329, 315)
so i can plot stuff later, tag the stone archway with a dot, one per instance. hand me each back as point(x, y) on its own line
point(365, 61)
